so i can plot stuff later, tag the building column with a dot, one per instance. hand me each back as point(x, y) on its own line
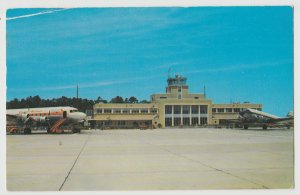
point(172, 116)
point(181, 119)
point(190, 115)
point(199, 116)
point(207, 115)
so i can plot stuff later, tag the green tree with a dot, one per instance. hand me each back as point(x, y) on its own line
point(144, 101)
point(100, 100)
point(117, 99)
point(126, 100)
point(36, 101)
point(133, 99)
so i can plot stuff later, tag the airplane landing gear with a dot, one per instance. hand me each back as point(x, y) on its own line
point(27, 130)
point(75, 130)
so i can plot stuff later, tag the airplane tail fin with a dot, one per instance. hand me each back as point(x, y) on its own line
point(290, 114)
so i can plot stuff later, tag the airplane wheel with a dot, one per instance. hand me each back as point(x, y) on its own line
point(75, 130)
point(27, 130)
point(245, 126)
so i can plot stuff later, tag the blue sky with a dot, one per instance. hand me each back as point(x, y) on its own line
point(239, 53)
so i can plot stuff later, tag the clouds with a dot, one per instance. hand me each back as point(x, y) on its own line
point(187, 71)
point(240, 67)
point(64, 87)
point(36, 14)
point(85, 84)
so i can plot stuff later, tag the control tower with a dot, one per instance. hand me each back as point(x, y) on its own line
point(177, 85)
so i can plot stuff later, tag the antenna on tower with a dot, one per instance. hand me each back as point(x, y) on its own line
point(77, 91)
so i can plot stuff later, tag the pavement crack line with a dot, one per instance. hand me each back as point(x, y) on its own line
point(216, 169)
point(82, 148)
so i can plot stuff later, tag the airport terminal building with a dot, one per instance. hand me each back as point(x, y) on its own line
point(175, 108)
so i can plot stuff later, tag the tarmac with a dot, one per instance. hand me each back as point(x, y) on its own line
point(160, 159)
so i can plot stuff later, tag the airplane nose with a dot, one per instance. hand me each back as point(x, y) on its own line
point(83, 115)
point(242, 112)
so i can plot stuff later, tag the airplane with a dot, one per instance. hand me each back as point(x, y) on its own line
point(50, 117)
point(256, 118)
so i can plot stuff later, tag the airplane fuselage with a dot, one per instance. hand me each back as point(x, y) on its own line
point(46, 116)
point(254, 118)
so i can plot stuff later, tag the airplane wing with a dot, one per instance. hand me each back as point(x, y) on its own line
point(12, 119)
point(280, 119)
point(232, 120)
point(235, 122)
point(11, 116)
point(260, 113)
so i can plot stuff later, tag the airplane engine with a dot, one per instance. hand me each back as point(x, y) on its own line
point(24, 116)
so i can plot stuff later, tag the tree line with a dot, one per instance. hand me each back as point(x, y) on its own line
point(80, 103)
